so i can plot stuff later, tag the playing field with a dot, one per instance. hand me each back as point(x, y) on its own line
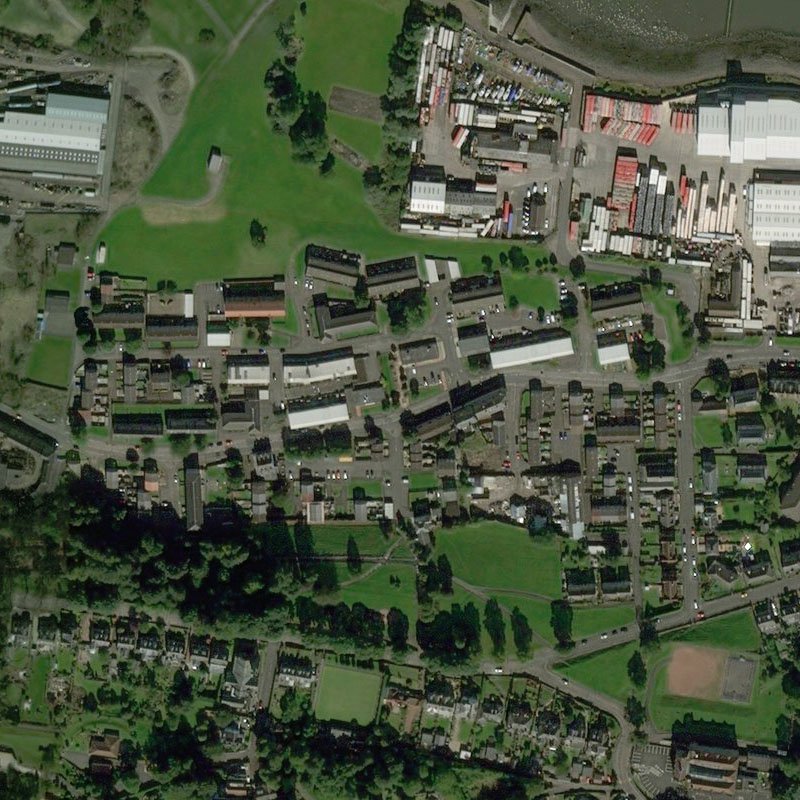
point(502, 557)
point(50, 361)
point(347, 694)
point(696, 672)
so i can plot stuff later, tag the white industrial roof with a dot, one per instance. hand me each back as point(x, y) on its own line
point(531, 353)
point(88, 109)
point(248, 374)
point(774, 212)
point(754, 128)
point(55, 132)
point(318, 416)
point(613, 354)
point(323, 371)
point(431, 273)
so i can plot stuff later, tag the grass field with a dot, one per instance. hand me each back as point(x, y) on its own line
point(234, 12)
point(368, 26)
point(26, 743)
point(332, 539)
point(678, 348)
point(178, 25)
point(537, 612)
point(590, 621)
point(606, 671)
point(363, 135)
point(32, 18)
point(499, 556)
point(422, 481)
point(347, 694)
point(735, 631)
point(263, 180)
point(741, 510)
point(532, 291)
point(754, 721)
point(376, 591)
point(708, 431)
point(37, 690)
point(50, 361)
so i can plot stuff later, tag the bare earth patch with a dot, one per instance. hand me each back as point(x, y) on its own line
point(696, 672)
point(356, 103)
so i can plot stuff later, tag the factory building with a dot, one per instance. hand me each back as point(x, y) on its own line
point(68, 140)
point(428, 188)
point(747, 125)
point(773, 206)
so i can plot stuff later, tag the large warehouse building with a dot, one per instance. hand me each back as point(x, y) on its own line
point(68, 140)
point(748, 125)
point(773, 206)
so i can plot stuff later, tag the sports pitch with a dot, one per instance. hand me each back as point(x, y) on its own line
point(347, 694)
point(706, 673)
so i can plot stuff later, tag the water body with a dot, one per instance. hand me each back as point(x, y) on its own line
point(662, 24)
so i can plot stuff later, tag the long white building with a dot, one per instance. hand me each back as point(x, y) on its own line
point(518, 351)
point(318, 416)
point(748, 126)
point(318, 367)
point(773, 206)
point(67, 140)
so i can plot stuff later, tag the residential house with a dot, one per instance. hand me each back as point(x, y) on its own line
point(750, 429)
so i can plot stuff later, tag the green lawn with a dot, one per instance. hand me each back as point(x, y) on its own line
point(735, 631)
point(740, 510)
point(234, 12)
point(589, 621)
point(372, 489)
point(347, 694)
point(50, 361)
point(422, 481)
point(678, 348)
point(754, 721)
point(606, 671)
point(263, 180)
point(363, 135)
point(500, 556)
point(531, 290)
point(377, 592)
point(332, 539)
point(37, 690)
point(26, 743)
point(178, 25)
point(369, 29)
point(33, 18)
point(66, 281)
point(708, 431)
point(537, 612)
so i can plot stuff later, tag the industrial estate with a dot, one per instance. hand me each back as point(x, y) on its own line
point(411, 418)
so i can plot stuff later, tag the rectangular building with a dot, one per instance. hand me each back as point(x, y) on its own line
point(518, 349)
point(302, 369)
point(427, 190)
point(332, 266)
point(393, 276)
point(317, 414)
point(477, 292)
point(259, 297)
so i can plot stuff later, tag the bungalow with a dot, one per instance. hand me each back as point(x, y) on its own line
point(750, 429)
point(744, 392)
point(751, 468)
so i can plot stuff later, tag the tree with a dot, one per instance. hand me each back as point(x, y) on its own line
point(577, 266)
point(727, 434)
point(206, 35)
point(654, 274)
point(672, 793)
point(487, 262)
point(327, 581)
point(540, 314)
point(569, 305)
point(561, 622)
point(327, 164)
point(258, 233)
point(521, 630)
point(513, 301)
point(445, 572)
point(648, 634)
point(647, 323)
point(360, 291)
point(517, 257)
point(634, 712)
point(495, 625)
point(353, 555)
point(397, 627)
point(308, 135)
point(637, 671)
point(413, 387)
point(718, 371)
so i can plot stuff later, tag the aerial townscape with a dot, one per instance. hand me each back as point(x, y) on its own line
point(399, 400)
